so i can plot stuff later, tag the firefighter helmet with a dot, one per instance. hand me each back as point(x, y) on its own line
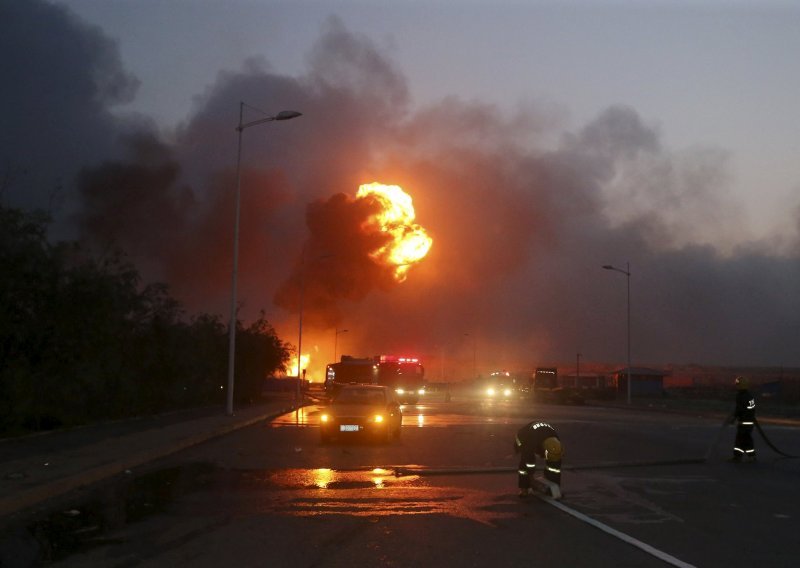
point(552, 449)
point(742, 383)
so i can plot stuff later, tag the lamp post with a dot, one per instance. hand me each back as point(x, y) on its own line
point(298, 388)
point(298, 391)
point(627, 273)
point(283, 115)
point(336, 340)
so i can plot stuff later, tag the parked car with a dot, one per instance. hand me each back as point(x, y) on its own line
point(362, 410)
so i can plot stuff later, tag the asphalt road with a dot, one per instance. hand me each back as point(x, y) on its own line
point(272, 495)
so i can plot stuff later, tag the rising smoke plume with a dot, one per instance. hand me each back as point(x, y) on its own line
point(520, 228)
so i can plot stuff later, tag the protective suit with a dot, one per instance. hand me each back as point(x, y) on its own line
point(744, 414)
point(537, 439)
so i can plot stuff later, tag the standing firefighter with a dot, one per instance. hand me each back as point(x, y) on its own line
point(537, 439)
point(745, 416)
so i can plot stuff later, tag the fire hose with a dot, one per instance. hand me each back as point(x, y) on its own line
point(771, 445)
point(420, 470)
point(728, 420)
point(402, 471)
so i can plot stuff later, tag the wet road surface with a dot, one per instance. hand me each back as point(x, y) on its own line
point(273, 495)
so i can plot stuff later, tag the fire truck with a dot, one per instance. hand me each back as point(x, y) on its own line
point(405, 375)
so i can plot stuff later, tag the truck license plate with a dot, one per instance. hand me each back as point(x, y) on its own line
point(348, 428)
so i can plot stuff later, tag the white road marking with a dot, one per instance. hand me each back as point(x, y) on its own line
point(620, 535)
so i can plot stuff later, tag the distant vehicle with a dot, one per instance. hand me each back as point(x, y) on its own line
point(500, 385)
point(350, 370)
point(366, 410)
point(546, 388)
point(545, 378)
point(404, 375)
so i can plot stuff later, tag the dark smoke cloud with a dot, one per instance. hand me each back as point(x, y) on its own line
point(336, 264)
point(138, 204)
point(520, 228)
point(60, 78)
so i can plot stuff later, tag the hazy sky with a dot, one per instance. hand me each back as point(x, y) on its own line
point(539, 141)
point(710, 73)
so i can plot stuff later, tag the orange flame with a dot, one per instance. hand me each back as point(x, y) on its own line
point(410, 243)
point(293, 371)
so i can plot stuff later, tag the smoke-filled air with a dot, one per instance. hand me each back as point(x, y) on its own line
point(452, 230)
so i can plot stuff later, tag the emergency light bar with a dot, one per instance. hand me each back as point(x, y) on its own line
point(396, 359)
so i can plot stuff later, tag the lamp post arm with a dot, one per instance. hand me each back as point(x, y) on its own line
point(253, 123)
point(614, 268)
point(283, 115)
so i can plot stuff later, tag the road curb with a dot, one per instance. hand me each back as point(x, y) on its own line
point(29, 498)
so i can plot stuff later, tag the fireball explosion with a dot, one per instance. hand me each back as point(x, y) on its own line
point(410, 243)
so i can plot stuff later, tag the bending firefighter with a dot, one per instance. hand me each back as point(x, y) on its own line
point(538, 439)
point(745, 416)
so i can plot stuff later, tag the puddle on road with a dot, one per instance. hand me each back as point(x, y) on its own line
point(80, 525)
point(77, 525)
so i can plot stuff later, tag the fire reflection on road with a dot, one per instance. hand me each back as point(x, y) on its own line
point(376, 493)
point(419, 416)
point(326, 478)
point(300, 417)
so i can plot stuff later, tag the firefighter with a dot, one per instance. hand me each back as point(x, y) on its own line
point(745, 416)
point(537, 439)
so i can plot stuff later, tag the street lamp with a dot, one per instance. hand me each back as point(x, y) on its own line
point(283, 115)
point(627, 273)
point(298, 391)
point(298, 387)
point(335, 341)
